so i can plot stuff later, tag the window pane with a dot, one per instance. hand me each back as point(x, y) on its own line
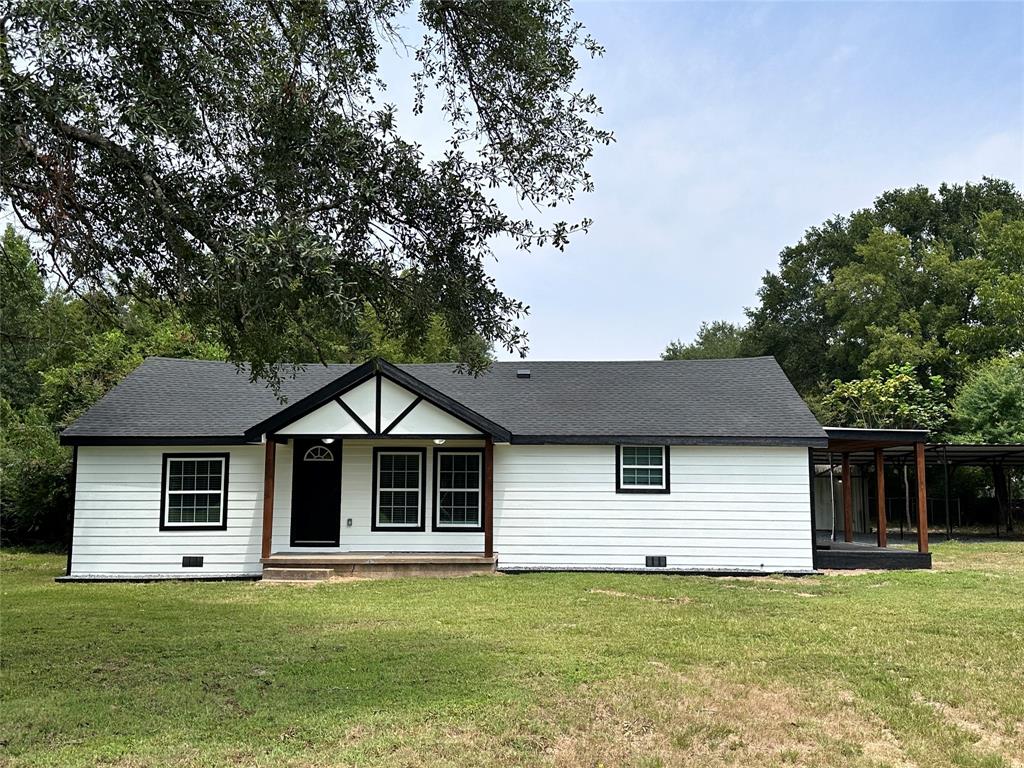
point(399, 470)
point(460, 508)
point(398, 508)
point(193, 508)
point(642, 457)
point(642, 476)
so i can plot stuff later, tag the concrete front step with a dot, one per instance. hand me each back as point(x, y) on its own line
point(314, 566)
point(297, 574)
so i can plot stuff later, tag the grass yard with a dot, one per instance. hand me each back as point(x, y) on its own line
point(896, 669)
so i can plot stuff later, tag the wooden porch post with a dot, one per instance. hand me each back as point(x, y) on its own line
point(847, 499)
point(488, 499)
point(883, 524)
point(268, 495)
point(922, 499)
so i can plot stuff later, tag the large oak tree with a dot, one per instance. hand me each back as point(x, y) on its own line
point(236, 157)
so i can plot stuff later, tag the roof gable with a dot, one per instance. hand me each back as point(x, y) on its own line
point(376, 399)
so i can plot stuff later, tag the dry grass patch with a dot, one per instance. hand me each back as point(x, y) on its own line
point(646, 598)
point(992, 736)
point(705, 719)
point(1001, 558)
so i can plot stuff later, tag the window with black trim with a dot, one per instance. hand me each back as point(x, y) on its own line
point(399, 489)
point(195, 490)
point(458, 490)
point(642, 469)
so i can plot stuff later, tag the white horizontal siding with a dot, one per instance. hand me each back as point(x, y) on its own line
point(730, 508)
point(117, 515)
point(356, 504)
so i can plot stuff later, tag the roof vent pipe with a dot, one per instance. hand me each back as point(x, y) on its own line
point(523, 373)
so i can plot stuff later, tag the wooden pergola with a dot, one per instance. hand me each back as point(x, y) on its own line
point(849, 442)
point(946, 457)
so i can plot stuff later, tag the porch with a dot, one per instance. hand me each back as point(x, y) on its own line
point(377, 475)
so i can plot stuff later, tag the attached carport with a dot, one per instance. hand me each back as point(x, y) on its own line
point(862, 455)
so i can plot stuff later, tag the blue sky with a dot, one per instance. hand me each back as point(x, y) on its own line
point(740, 125)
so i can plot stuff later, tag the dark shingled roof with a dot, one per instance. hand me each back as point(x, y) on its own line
point(745, 400)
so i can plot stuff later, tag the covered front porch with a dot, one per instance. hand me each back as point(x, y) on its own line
point(377, 476)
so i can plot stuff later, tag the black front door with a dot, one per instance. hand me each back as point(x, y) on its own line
point(316, 494)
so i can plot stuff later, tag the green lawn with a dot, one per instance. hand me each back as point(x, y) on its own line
point(912, 668)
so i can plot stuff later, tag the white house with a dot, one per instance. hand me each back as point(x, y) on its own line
point(188, 469)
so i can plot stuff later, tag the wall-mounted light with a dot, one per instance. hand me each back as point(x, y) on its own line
point(328, 440)
point(439, 441)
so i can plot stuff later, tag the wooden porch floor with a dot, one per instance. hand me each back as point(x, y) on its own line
point(312, 566)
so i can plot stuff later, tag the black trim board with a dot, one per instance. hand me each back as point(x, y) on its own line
point(405, 412)
point(667, 466)
point(435, 498)
point(376, 405)
point(377, 450)
point(153, 440)
point(353, 415)
point(431, 436)
point(71, 522)
point(224, 491)
point(795, 442)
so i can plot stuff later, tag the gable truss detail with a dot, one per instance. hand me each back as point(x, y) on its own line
point(380, 400)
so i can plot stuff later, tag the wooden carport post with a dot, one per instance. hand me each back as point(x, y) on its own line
point(268, 495)
point(883, 524)
point(847, 499)
point(922, 499)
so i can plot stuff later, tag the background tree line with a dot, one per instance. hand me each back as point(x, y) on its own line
point(907, 314)
point(60, 352)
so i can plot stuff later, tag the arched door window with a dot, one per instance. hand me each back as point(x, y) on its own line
point(318, 453)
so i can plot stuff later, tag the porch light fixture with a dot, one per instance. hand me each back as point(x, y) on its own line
point(327, 440)
point(439, 441)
